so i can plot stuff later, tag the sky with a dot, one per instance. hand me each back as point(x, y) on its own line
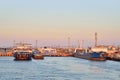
point(51, 22)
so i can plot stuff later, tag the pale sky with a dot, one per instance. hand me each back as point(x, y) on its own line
point(51, 22)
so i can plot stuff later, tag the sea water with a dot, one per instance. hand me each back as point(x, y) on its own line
point(58, 68)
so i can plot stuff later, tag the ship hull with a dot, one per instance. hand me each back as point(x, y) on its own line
point(22, 56)
point(37, 56)
point(90, 56)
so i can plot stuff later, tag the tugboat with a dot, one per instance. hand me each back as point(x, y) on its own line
point(22, 51)
point(36, 54)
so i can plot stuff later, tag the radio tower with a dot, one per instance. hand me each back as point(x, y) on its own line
point(96, 39)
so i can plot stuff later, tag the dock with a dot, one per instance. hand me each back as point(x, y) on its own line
point(6, 52)
point(59, 55)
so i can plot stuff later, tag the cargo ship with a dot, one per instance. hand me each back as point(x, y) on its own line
point(86, 54)
point(22, 51)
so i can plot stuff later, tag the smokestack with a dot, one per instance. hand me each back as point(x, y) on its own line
point(95, 39)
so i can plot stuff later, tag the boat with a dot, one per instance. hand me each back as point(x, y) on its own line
point(114, 56)
point(22, 56)
point(80, 53)
point(98, 56)
point(48, 51)
point(22, 51)
point(36, 54)
point(85, 54)
point(113, 53)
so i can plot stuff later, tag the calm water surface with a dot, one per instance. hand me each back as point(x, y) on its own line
point(58, 68)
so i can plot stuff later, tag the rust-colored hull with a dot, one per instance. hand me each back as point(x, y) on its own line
point(98, 59)
point(38, 56)
point(22, 57)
